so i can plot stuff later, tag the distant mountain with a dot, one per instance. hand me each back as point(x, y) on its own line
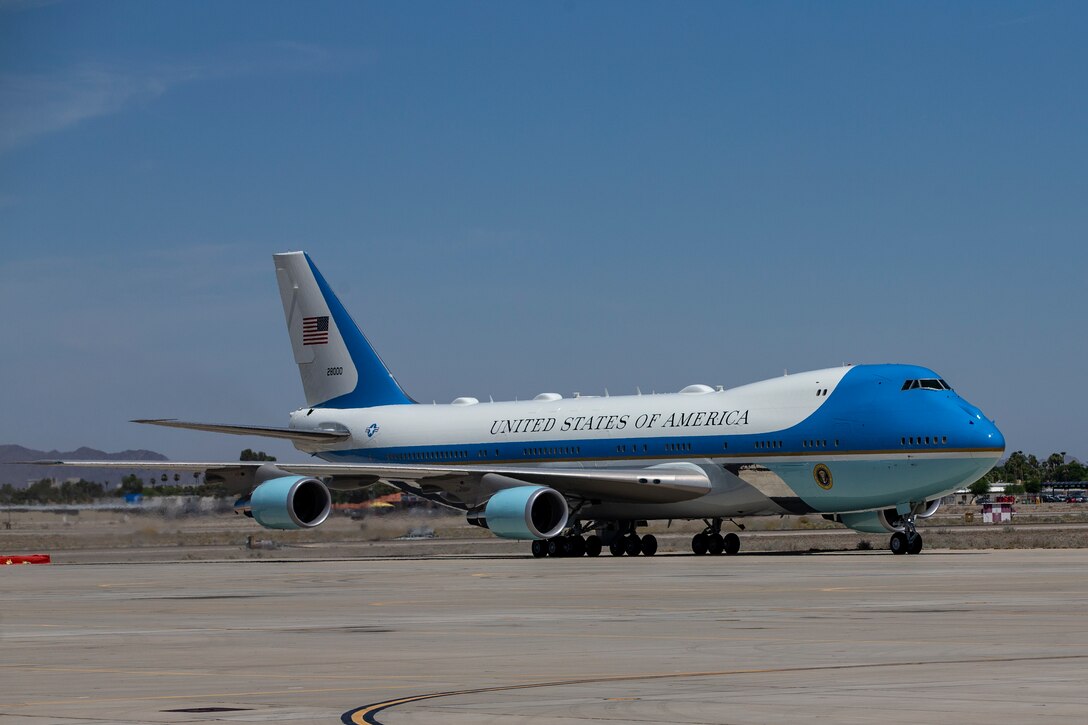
point(19, 475)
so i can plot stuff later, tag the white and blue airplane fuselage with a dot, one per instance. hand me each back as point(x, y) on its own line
point(870, 446)
point(759, 443)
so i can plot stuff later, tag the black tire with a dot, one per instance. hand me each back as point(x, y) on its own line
point(593, 545)
point(577, 546)
point(555, 547)
point(617, 547)
point(699, 544)
point(715, 544)
point(540, 548)
point(649, 545)
point(915, 546)
point(732, 544)
point(632, 545)
point(898, 543)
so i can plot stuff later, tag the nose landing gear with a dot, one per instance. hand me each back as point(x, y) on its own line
point(908, 541)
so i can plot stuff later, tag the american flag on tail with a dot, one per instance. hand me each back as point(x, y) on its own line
point(315, 330)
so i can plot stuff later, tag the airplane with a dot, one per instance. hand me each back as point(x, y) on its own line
point(872, 447)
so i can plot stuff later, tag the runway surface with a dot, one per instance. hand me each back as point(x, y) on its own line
point(858, 637)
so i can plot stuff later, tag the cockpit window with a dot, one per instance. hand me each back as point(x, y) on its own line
point(926, 384)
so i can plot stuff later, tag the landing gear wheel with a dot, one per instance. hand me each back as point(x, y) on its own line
point(731, 543)
point(540, 548)
point(577, 546)
point(593, 545)
point(555, 547)
point(649, 545)
point(898, 543)
point(617, 547)
point(633, 545)
point(566, 545)
point(915, 545)
point(699, 544)
point(715, 544)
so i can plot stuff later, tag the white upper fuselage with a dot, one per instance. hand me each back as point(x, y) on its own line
point(755, 409)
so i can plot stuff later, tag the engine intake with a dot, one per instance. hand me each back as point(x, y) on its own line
point(288, 502)
point(523, 512)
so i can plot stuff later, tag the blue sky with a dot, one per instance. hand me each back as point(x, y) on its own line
point(522, 197)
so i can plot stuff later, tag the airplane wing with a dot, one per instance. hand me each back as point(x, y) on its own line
point(467, 485)
point(330, 435)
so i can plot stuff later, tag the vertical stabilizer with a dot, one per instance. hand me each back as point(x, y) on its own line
point(339, 368)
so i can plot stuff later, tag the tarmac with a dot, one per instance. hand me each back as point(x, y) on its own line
point(844, 637)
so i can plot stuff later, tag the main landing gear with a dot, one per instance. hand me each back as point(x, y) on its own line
point(562, 546)
point(711, 541)
point(632, 545)
point(908, 541)
point(623, 541)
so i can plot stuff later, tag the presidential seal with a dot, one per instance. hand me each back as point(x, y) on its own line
point(822, 474)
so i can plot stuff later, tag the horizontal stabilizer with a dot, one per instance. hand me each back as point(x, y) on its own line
point(291, 434)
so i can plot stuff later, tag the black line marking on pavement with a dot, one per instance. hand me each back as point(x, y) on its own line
point(368, 713)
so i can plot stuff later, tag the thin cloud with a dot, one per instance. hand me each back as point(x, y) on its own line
point(34, 105)
point(1020, 20)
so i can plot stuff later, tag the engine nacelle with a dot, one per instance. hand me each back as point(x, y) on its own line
point(877, 522)
point(288, 502)
point(523, 512)
point(871, 522)
point(931, 508)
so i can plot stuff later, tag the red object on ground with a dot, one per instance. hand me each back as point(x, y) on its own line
point(24, 559)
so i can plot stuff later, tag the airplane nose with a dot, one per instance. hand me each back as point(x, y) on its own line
point(995, 437)
point(985, 433)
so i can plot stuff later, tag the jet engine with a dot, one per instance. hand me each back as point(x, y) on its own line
point(877, 522)
point(523, 512)
point(288, 502)
point(931, 508)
